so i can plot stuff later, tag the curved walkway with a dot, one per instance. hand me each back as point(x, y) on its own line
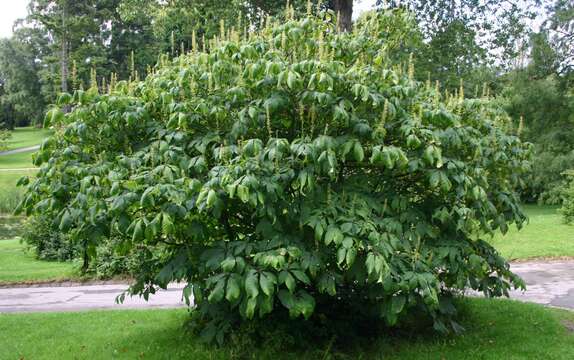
point(20, 150)
point(548, 283)
point(90, 297)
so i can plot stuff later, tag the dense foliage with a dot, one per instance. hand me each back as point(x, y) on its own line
point(66, 45)
point(291, 170)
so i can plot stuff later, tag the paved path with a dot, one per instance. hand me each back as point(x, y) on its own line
point(548, 283)
point(75, 298)
point(18, 169)
point(20, 150)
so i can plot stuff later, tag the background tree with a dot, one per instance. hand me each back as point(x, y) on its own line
point(467, 34)
point(21, 96)
point(560, 24)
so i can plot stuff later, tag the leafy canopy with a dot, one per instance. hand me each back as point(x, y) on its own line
point(288, 171)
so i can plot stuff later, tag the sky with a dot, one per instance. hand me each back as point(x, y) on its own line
point(11, 10)
point(358, 7)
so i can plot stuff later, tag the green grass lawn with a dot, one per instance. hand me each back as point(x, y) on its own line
point(17, 161)
point(8, 179)
point(545, 236)
point(10, 195)
point(495, 329)
point(22, 137)
point(18, 265)
point(27, 136)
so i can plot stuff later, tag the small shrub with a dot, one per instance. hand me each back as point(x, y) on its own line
point(567, 209)
point(46, 240)
point(290, 173)
point(108, 263)
point(5, 135)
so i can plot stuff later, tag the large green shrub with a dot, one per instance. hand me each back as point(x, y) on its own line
point(292, 171)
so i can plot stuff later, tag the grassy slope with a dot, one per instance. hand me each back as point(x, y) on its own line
point(496, 329)
point(17, 161)
point(21, 137)
point(10, 195)
point(17, 265)
point(545, 236)
point(8, 179)
point(27, 136)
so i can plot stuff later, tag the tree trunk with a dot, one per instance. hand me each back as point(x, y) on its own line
point(344, 8)
point(64, 53)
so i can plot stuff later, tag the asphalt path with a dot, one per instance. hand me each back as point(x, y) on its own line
point(78, 298)
point(20, 150)
point(548, 283)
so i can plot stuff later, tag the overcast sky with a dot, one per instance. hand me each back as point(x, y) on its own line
point(11, 10)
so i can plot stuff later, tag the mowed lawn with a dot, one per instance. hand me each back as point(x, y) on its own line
point(20, 266)
point(495, 329)
point(546, 235)
point(17, 161)
point(10, 195)
point(14, 166)
point(26, 137)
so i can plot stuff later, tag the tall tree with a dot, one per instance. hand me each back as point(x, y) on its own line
point(560, 25)
point(21, 98)
point(465, 34)
point(344, 9)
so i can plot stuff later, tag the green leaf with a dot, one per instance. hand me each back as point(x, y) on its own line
point(341, 255)
point(265, 305)
point(358, 152)
point(243, 193)
point(333, 235)
point(301, 276)
point(286, 298)
point(232, 293)
point(250, 308)
point(138, 233)
point(167, 226)
point(147, 199)
point(286, 278)
point(292, 79)
point(211, 198)
point(216, 294)
point(398, 303)
point(252, 284)
point(65, 222)
point(351, 255)
point(228, 264)
point(434, 180)
point(306, 304)
point(267, 281)
point(428, 155)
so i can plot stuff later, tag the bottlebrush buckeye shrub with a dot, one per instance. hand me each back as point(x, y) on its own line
point(285, 170)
